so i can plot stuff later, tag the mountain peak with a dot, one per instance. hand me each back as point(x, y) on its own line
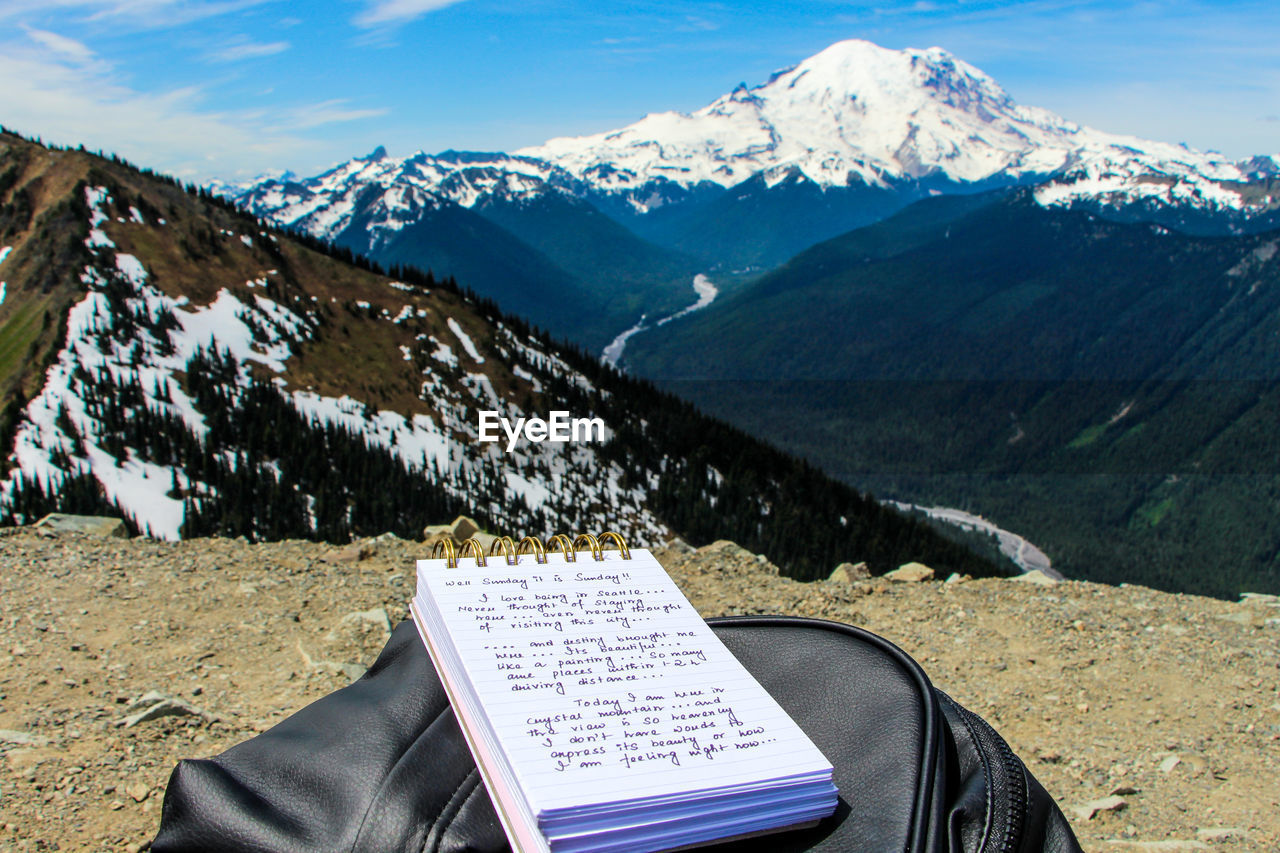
point(857, 113)
point(852, 115)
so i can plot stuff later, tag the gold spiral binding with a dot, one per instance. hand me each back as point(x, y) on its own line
point(566, 547)
point(534, 544)
point(445, 546)
point(592, 543)
point(508, 547)
point(610, 536)
point(474, 546)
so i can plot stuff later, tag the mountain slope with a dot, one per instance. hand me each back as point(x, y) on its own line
point(497, 222)
point(1101, 388)
point(971, 289)
point(208, 375)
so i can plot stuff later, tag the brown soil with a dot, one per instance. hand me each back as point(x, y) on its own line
point(1172, 702)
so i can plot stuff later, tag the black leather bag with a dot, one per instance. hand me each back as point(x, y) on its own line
point(381, 765)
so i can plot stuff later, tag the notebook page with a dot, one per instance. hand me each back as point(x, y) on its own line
point(604, 685)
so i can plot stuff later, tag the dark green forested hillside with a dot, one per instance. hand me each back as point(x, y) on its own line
point(1108, 390)
point(626, 276)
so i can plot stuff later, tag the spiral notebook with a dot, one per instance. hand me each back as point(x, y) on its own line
point(602, 712)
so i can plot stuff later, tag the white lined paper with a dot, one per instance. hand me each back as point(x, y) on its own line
point(607, 694)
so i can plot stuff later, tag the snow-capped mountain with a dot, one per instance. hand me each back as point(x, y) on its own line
point(855, 114)
point(841, 140)
point(859, 113)
point(392, 192)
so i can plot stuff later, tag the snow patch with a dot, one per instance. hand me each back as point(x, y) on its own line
point(444, 353)
point(465, 340)
point(96, 197)
point(4, 253)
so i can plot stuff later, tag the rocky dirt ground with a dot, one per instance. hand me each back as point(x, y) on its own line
point(1154, 719)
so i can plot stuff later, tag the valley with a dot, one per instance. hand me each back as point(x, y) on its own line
point(200, 373)
point(935, 294)
point(930, 292)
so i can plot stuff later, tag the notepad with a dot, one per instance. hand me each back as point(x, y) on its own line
point(603, 713)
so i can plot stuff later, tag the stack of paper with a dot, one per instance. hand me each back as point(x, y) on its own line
point(602, 711)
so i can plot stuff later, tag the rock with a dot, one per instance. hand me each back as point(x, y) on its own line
point(92, 525)
point(725, 548)
point(353, 671)
point(353, 553)
point(138, 791)
point(910, 573)
point(1249, 618)
point(1122, 791)
point(1171, 845)
point(376, 617)
point(1037, 577)
point(1169, 763)
point(850, 572)
point(679, 546)
point(1113, 803)
point(433, 533)
point(1221, 833)
point(15, 738)
point(464, 528)
point(154, 705)
point(956, 577)
point(1260, 598)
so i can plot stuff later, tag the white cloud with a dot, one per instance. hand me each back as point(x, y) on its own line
point(69, 97)
point(241, 48)
point(67, 48)
point(139, 14)
point(390, 12)
point(326, 112)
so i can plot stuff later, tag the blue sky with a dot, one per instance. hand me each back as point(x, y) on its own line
point(234, 88)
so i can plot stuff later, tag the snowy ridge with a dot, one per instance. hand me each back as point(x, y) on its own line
point(857, 113)
point(389, 194)
point(853, 115)
point(126, 341)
